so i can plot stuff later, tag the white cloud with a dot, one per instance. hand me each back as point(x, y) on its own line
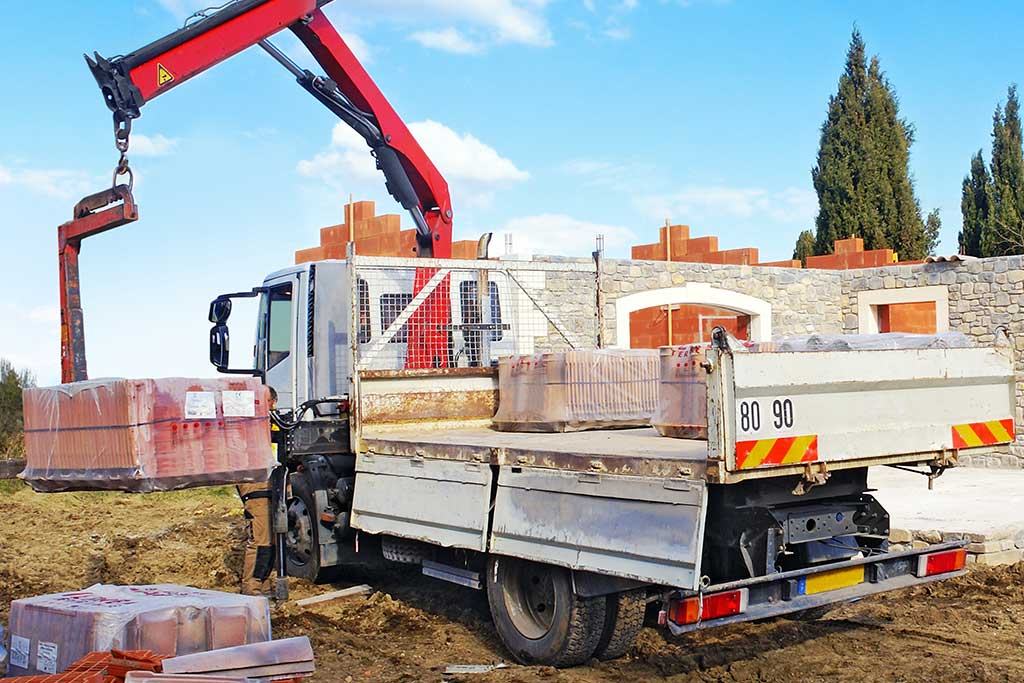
point(152, 146)
point(447, 40)
point(793, 205)
point(556, 233)
point(58, 183)
point(360, 48)
point(473, 169)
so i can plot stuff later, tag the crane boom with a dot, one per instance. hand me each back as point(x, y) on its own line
point(130, 81)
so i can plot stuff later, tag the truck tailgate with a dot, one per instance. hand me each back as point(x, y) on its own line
point(776, 413)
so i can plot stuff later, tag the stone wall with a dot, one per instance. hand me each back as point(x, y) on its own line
point(983, 295)
point(980, 296)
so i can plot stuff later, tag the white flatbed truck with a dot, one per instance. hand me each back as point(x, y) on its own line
point(577, 536)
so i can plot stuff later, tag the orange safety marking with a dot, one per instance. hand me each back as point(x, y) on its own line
point(787, 450)
point(976, 434)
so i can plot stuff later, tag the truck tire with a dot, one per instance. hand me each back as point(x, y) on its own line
point(402, 550)
point(623, 619)
point(302, 542)
point(538, 616)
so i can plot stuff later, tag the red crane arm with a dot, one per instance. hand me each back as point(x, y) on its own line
point(130, 81)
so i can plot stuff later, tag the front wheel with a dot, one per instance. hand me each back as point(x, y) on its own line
point(303, 538)
point(538, 616)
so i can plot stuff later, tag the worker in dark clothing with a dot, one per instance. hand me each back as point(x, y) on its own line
point(258, 561)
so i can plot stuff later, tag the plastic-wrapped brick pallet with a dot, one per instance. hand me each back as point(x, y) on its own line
point(577, 390)
point(682, 405)
point(146, 434)
point(51, 632)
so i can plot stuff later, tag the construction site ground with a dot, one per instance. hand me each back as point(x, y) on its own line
point(965, 629)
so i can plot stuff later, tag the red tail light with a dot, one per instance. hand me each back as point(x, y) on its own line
point(941, 563)
point(690, 611)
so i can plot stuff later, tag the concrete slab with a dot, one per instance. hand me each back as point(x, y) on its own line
point(986, 503)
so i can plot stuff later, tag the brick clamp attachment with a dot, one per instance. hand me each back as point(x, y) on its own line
point(99, 212)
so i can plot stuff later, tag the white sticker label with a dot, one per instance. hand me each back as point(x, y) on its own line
point(200, 405)
point(20, 647)
point(239, 403)
point(46, 657)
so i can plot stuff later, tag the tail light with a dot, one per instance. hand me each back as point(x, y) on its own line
point(717, 606)
point(941, 563)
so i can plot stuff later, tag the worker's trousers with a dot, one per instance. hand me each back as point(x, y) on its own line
point(259, 543)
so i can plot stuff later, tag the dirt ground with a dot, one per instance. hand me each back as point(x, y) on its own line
point(968, 629)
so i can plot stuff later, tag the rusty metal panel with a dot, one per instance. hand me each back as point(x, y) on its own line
point(437, 501)
point(642, 528)
point(411, 396)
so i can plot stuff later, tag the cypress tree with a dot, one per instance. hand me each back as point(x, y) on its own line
point(804, 247)
point(932, 228)
point(974, 206)
point(1006, 191)
point(862, 176)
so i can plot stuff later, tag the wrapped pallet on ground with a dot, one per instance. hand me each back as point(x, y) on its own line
point(51, 632)
point(577, 390)
point(143, 435)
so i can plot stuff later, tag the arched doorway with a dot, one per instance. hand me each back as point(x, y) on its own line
point(643, 319)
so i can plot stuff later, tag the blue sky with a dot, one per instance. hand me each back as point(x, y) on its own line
point(553, 120)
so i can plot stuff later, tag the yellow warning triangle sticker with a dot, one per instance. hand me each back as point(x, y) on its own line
point(163, 76)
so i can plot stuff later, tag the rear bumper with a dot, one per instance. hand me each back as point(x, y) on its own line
point(778, 594)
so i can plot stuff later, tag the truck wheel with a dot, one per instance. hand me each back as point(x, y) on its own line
point(303, 540)
point(538, 616)
point(623, 619)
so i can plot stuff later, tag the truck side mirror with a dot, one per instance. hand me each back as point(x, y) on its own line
point(220, 345)
point(220, 310)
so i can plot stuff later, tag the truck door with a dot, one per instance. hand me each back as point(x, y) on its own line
point(275, 347)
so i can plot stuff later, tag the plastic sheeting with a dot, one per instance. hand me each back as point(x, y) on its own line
point(51, 632)
point(577, 390)
point(682, 393)
point(869, 342)
point(147, 434)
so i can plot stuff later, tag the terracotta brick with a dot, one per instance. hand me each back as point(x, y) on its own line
point(307, 255)
point(679, 234)
point(915, 318)
point(335, 251)
point(361, 211)
point(334, 234)
point(464, 249)
point(846, 246)
point(379, 225)
point(648, 252)
point(824, 262)
point(792, 263)
point(695, 246)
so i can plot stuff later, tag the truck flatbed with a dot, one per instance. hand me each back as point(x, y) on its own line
point(639, 452)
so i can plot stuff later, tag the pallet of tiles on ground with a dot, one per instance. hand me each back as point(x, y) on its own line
point(146, 434)
point(577, 390)
point(50, 632)
point(276, 659)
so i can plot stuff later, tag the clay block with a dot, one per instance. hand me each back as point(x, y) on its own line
point(577, 390)
point(57, 630)
point(146, 434)
point(682, 393)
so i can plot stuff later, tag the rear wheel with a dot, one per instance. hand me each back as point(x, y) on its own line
point(538, 616)
point(623, 619)
point(302, 542)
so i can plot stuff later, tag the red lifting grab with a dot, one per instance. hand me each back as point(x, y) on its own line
point(96, 213)
point(130, 81)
